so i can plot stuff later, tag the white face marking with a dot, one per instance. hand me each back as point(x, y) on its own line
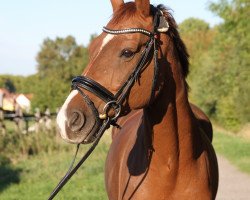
point(61, 116)
point(105, 41)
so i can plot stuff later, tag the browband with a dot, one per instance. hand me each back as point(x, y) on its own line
point(127, 31)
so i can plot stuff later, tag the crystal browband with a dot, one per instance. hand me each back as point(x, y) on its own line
point(128, 30)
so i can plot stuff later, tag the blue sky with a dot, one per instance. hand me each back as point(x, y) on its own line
point(25, 24)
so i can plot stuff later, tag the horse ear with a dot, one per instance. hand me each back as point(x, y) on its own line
point(116, 4)
point(143, 6)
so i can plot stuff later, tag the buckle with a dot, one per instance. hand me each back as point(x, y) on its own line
point(111, 105)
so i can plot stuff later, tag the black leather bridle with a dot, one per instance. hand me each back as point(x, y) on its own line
point(115, 101)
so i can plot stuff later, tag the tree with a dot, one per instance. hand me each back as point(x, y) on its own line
point(196, 34)
point(59, 61)
point(220, 62)
point(198, 37)
point(8, 85)
point(232, 61)
point(61, 58)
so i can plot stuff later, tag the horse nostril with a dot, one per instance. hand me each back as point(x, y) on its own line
point(76, 121)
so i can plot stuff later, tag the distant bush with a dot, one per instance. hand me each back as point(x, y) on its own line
point(4, 160)
point(17, 146)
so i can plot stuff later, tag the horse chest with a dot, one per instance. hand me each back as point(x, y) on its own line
point(132, 171)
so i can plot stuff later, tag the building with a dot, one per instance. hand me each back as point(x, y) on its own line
point(9, 100)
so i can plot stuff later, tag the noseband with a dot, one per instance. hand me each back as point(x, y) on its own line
point(114, 102)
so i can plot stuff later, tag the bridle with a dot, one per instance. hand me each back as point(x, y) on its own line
point(114, 101)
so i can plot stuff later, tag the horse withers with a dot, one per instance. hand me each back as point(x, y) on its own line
point(136, 77)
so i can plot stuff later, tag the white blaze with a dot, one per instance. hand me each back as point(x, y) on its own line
point(106, 40)
point(62, 115)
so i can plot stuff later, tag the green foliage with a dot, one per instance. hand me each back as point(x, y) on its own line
point(198, 37)
point(220, 63)
point(194, 30)
point(11, 83)
point(32, 181)
point(61, 58)
point(231, 62)
point(59, 61)
point(16, 145)
point(9, 86)
point(4, 160)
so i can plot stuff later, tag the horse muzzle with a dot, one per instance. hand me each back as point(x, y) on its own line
point(78, 123)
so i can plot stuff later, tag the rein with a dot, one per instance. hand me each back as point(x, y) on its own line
point(114, 102)
point(71, 171)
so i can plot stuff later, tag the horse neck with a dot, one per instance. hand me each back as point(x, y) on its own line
point(170, 116)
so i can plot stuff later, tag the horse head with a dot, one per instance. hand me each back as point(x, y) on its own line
point(124, 70)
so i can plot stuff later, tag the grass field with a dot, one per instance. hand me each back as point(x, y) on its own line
point(235, 149)
point(36, 177)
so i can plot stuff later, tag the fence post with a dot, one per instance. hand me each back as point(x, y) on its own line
point(18, 117)
point(26, 125)
point(47, 119)
point(37, 119)
point(2, 125)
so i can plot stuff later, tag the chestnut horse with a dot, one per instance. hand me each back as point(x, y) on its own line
point(139, 64)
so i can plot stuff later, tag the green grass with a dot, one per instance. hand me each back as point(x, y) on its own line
point(36, 177)
point(236, 149)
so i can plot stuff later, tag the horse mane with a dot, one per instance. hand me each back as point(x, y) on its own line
point(128, 11)
point(178, 42)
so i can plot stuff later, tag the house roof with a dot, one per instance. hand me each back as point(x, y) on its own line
point(10, 98)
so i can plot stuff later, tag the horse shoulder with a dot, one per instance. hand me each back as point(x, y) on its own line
point(116, 170)
point(211, 164)
point(127, 121)
point(204, 153)
point(203, 121)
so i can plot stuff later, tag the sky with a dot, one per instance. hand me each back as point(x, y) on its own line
point(25, 24)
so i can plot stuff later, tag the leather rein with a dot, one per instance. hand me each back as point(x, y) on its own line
point(114, 102)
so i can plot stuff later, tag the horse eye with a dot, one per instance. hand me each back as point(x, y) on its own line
point(127, 53)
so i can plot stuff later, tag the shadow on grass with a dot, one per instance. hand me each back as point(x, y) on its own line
point(8, 175)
